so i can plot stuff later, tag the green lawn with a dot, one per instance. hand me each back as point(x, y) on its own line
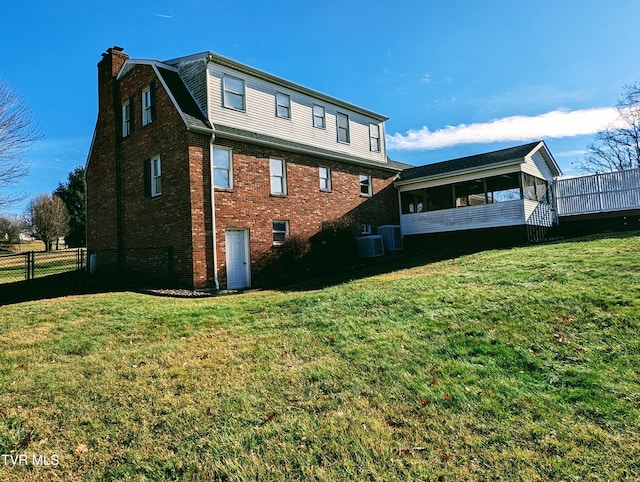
point(519, 364)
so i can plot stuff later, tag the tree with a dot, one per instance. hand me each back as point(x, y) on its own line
point(10, 229)
point(17, 134)
point(617, 147)
point(72, 194)
point(49, 218)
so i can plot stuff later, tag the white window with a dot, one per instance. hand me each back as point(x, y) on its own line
point(365, 185)
point(156, 177)
point(280, 232)
point(147, 106)
point(233, 93)
point(126, 118)
point(325, 178)
point(318, 117)
point(278, 176)
point(222, 172)
point(283, 105)
point(374, 137)
point(365, 229)
point(342, 121)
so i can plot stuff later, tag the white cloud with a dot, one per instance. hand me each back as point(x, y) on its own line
point(555, 124)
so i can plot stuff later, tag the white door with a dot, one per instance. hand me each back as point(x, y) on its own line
point(238, 274)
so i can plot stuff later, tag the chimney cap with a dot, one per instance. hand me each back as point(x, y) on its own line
point(112, 49)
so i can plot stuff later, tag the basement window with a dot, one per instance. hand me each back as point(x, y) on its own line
point(280, 231)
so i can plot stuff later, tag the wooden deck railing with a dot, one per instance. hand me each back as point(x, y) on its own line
point(598, 193)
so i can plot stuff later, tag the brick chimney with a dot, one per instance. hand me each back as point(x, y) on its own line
point(108, 68)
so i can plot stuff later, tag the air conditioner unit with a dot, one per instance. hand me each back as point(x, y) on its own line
point(370, 246)
point(391, 237)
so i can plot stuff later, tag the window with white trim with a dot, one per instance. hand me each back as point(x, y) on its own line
point(366, 229)
point(374, 137)
point(222, 167)
point(278, 174)
point(319, 117)
point(280, 231)
point(234, 93)
point(342, 124)
point(365, 185)
point(156, 177)
point(283, 105)
point(147, 106)
point(325, 178)
point(126, 118)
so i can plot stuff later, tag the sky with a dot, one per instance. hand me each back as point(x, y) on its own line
point(455, 77)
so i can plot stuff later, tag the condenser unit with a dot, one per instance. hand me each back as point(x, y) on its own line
point(370, 246)
point(391, 237)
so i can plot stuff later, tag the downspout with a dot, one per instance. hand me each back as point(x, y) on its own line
point(213, 216)
point(214, 229)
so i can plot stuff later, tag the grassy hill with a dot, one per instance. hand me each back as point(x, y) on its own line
point(519, 364)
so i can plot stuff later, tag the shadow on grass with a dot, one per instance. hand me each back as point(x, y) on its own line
point(81, 283)
point(55, 286)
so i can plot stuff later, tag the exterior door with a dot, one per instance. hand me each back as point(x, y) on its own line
point(238, 271)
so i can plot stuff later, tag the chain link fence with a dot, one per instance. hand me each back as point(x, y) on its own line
point(31, 265)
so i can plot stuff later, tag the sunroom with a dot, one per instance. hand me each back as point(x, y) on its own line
point(510, 187)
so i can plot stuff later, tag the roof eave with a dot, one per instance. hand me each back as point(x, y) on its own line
point(460, 172)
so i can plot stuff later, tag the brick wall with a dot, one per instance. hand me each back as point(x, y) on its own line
point(250, 204)
point(147, 222)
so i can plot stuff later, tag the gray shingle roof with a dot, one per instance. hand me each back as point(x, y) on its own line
point(185, 100)
point(235, 133)
point(469, 162)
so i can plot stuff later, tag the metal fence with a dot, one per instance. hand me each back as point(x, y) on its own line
point(31, 265)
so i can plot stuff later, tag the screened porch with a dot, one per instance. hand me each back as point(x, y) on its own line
point(515, 198)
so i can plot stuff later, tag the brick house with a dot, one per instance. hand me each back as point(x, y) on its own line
point(202, 167)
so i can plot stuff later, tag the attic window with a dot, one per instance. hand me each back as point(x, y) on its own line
point(234, 93)
point(283, 105)
point(374, 137)
point(126, 118)
point(148, 104)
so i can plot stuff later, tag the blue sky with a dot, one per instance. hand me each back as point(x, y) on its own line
point(454, 77)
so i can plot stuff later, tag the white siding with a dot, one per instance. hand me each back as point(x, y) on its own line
point(260, 116)
point(510, 213)
point(537, 166)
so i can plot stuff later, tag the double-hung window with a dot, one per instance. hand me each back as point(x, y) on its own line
point(148, 105)
point(234, 93)
point(283, 105)
point(156, 177)
point(280, 232)
point(325, 178)
point(342, 123)
point(278, 174)
point(374, 137)
point(365, 185)
point(222, 170)
point(126, 118)
point(319, 117)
